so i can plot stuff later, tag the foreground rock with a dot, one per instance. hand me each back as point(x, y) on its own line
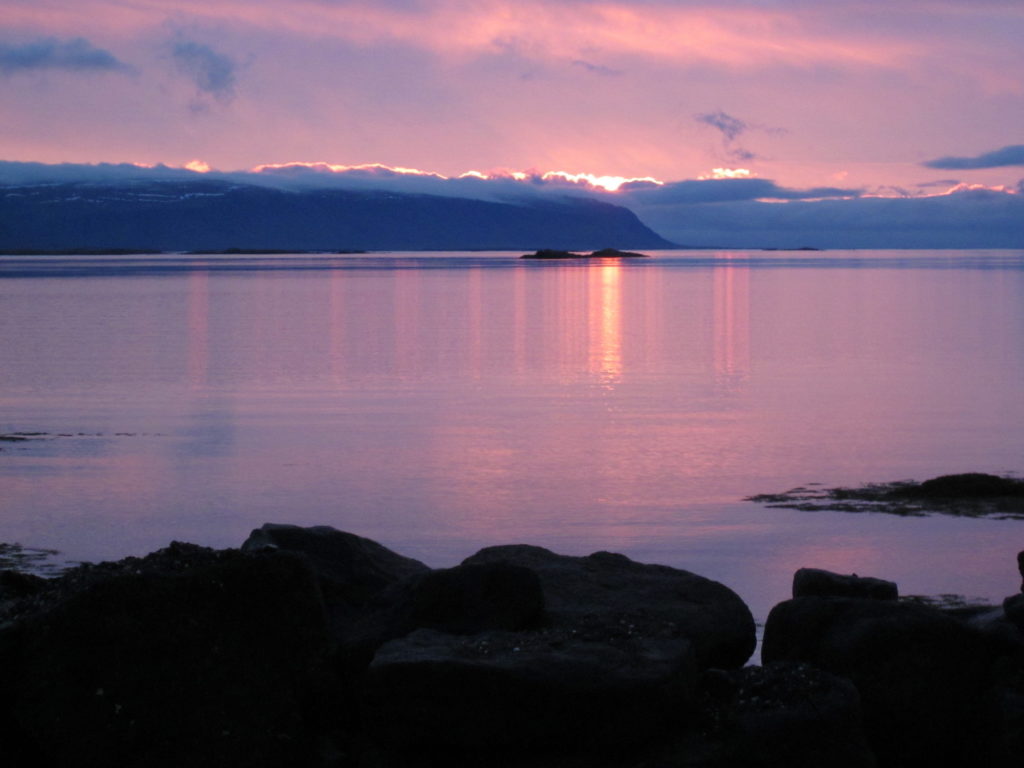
point(606, 595)
point(187, 657)
point(352, 570)
point(782, 714)
point(939, 688)
point(315, 647)
point(814, 582)
point(612, 665)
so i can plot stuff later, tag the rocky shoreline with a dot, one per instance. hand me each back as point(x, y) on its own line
point(314, 647)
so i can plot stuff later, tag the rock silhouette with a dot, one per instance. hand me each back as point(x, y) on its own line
point(315, 647)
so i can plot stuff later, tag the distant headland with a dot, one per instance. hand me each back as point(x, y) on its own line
point(214, 216)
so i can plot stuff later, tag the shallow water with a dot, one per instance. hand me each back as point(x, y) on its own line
point(443, 402)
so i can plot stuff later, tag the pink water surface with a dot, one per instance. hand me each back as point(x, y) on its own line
point(443, 402)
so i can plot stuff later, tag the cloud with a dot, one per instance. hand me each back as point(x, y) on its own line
point(26, 174)
point(1000, 158)
point(734, 34)
point(76, 55)
point(731, 129)
point(597, 69)
point(694, 192)
point(963, 218)
point(213, 73)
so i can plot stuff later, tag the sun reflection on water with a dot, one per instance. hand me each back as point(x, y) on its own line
point(605, 322)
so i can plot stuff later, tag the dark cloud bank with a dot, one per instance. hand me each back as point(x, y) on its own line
point(962, 219)
point(77, 55)
point(727, 213)
point(1000, 158)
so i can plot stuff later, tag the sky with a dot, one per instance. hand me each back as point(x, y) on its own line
point(824, 109)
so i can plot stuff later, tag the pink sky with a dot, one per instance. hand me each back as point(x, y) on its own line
point(808, 94)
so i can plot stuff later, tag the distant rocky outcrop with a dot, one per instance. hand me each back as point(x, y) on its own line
point(967, 494)
point(604, 253)
point(320, 648)
point(218, 216)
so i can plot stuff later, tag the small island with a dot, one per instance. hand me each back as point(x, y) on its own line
point(604, 253)
point(969, 494)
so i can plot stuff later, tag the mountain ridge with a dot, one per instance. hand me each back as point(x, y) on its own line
point(218, 215)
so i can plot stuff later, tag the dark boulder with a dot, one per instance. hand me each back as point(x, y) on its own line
point(1013, 608)
point(352, 569)
point(502, 695)
point(190, 657)
point(782, 714)
point(813, 582)
point(464, 600)
point(612, 667)
point(919, 671)
point(473, 598)
point(605, 595)
point(16, 584)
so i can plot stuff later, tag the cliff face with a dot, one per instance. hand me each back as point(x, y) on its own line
point(214, 215)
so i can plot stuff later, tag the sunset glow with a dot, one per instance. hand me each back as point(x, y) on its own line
point(606, 183)
point(491, 382)
point(323, 167)
point(609, 183)
point(727, 173)
point(630, 97)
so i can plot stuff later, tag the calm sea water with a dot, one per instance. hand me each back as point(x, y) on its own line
point(440, 403)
